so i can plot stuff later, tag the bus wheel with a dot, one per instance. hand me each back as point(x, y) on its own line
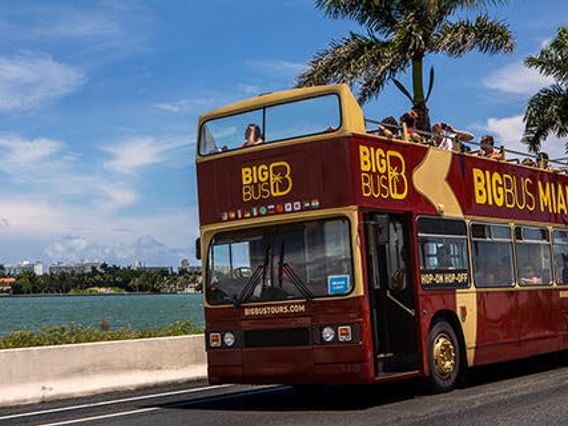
point(444, 357)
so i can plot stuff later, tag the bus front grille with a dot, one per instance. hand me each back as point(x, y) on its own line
point(278, 337)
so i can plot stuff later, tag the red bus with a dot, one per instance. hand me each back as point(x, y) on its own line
point(334, 255)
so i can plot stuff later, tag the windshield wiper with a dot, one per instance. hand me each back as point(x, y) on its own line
point(259, 273)
point(297, 281)
point(249, 286)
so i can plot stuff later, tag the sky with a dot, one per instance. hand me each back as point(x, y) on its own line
point(99, 103)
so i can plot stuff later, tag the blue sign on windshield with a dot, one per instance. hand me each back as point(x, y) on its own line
point(338, 284)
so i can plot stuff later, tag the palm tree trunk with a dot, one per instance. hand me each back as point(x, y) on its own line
point(419, 102)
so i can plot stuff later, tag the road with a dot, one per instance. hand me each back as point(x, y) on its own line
point(519, 393)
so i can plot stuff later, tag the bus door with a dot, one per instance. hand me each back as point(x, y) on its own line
point(391, 293)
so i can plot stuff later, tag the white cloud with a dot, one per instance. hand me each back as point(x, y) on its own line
point(30, 217)
point(17, 153)
point(545, 42)
point(187, 105)
point(116, 197)
point(28, 81)
point(249, 89)
point(145, 249)
point(132, 154)
point(509, 131)
point(516, 79)
point(277, 67)
point(68, 22)
point(175, 107)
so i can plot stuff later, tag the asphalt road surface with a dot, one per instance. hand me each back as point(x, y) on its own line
point(519, 393)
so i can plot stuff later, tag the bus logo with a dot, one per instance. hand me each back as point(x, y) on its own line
point(266, 180)
point(383, 173)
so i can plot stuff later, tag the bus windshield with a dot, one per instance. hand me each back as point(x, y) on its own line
point(293, 261)
point(306, 117)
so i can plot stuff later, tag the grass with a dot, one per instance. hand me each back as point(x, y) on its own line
point(70, 334)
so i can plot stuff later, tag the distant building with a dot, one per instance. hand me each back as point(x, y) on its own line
point(24, 266)
point(6, 285)
point(75, 268)
point(139, 266)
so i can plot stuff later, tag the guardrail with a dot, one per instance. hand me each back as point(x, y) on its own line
point(52, 372)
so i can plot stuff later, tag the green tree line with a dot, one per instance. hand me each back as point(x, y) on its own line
point(120, 279)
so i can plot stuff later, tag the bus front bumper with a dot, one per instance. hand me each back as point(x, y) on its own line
point(322, 364)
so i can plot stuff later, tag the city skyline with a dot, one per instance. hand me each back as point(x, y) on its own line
point(99, 103)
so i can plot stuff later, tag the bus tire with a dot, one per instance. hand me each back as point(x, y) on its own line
point(444, 357)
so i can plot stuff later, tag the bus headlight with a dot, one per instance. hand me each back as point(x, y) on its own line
point(328, 334)
point(229, 339)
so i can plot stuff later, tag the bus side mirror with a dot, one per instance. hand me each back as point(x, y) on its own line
point(198, 248)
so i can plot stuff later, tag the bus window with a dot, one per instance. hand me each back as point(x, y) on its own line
point(296, 119)
point(492, 253)
point(442, 248)
point(308, 117)
point(227, 133)
point(533, 256)
point(284, 262)
point(560, 239)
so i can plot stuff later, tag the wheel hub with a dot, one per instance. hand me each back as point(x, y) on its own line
point(444, 355)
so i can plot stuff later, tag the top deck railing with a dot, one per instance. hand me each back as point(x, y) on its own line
point(401, 133)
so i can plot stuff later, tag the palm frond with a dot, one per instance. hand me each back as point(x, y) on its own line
point(356, 59)
point(402, 89)
point(483, 34)
point(373, 81)
point(553, 60)
point(379, 16)
point(430, 84)
point(546, 113)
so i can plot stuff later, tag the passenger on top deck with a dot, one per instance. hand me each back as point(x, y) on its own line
point(388, 127)
point(528, 162)
point(542, 160)
point(253, 136)
point(409, 119)
point(487, 149)
point(442, 140)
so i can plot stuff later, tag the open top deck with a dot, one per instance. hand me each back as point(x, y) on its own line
point(309, 161)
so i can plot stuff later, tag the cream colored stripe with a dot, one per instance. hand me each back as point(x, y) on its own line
point(467, 299)
point(430, 179)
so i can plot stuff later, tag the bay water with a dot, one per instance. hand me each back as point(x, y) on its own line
point(134, 311)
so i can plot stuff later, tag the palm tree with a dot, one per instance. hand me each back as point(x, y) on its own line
point(399, 35)
point(547, 111)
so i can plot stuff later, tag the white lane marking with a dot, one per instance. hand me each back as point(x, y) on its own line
point(112, 402)
point(103, 416)
point(268, 389)
point(146, 410)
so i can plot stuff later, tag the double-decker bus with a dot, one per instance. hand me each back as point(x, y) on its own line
point(334, 255)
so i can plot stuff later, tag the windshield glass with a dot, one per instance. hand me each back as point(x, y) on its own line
point(273, 123)
point(294, 261)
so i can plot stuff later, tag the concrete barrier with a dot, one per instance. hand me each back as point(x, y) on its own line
point(52, 372)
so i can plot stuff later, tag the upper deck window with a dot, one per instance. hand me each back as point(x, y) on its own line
point(306, 117)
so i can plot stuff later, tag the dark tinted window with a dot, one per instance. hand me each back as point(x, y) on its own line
point(560, 239)
point(492, 255)
point(533, 256)
point(442, 246)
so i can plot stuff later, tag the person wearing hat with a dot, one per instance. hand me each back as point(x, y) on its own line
point(450, 143)
point(488, 150)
